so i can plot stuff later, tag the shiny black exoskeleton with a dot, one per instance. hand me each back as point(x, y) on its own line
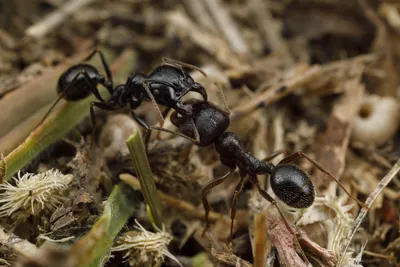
point(289, 183)
point(81, 81)
point(208, 120)
point(165, 86)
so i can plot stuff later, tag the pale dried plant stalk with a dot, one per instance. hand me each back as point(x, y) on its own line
point(337, 221)
point(145, 247)
point(33, 193)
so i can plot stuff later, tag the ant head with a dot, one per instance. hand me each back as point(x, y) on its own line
point(209, 122)
point(171, 84)
point(292, 185)
point(188, 84)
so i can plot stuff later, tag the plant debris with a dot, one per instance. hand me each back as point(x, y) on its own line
point(34, 193)
point(319, 77)
point(144, 247)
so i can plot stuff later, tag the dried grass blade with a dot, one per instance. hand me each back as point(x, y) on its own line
point(370, 200)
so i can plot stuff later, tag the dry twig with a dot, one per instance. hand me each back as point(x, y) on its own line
point(56, 18)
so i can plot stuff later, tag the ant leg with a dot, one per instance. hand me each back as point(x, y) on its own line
point(238, 189)
point(195, 140)
point(148, 129)
point(298, 154)
point(275, 154)
point(92, 86)
point(146, 137)
point(164, 115)
point(154, 102)
point(105, 65)
point(266, 196)
point(179, 64)
point(204, 192)
point(142, 123)
point(93, 117)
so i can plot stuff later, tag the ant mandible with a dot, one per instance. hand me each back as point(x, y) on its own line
point(288, 181)
point(166, 85)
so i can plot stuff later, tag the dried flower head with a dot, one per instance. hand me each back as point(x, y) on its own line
point(34, 192)
point(144, 246)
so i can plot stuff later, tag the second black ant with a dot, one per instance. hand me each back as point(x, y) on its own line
point(165, 85)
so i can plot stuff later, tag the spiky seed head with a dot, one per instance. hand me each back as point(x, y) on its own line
point(34, 192)
point(145, 247)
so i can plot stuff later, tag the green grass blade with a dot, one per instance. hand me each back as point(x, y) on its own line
point(143, 170)
point(53, 129)
point(91, 249)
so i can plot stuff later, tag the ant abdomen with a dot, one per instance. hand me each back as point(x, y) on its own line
point(292, 185)
point(80, 87)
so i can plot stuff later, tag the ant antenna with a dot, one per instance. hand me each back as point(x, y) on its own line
point(221, 95)
point(206, 189)
point(176, 63)
point(105, 65)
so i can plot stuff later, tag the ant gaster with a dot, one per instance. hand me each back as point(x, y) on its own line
point(289, 183)
point(165, 86)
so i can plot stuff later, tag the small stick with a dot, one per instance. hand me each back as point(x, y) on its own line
point(278, 91)
point(56, 18)
point(260, 239)
point(283, 240)
point(211, 43)
point(269, 27)
point(221, 253)
point(227, 26)
point(19, 245)
point(199, 12)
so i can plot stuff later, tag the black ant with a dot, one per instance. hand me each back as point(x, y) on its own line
point(166, 85)
point(288, 181)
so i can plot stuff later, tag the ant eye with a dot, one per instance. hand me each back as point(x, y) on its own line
point(176, 84)
point(156, 92)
